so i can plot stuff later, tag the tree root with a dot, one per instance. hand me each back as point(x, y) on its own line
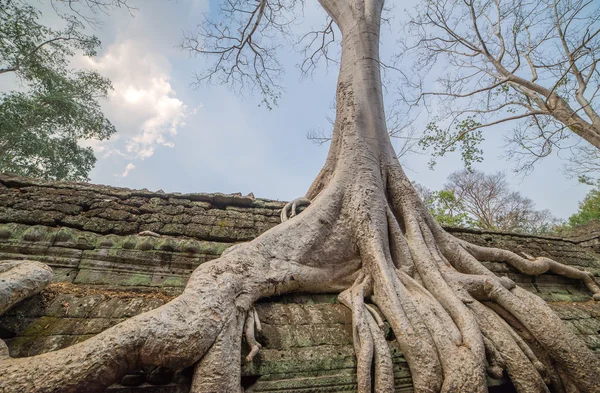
point(291, 208)
point(532, 266)
point(219, 370)
point(496, 363)
point(20, 280)
point(436, 294)
point(369, 342)
point(252, 324)
point(505, 354)
point(454, 320)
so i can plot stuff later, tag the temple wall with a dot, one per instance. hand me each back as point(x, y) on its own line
point(105, 273)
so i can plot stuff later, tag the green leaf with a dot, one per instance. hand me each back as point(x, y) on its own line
point(40, 126)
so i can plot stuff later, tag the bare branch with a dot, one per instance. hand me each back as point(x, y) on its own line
point(312, 55)
point(243, 45)
point(490, 62)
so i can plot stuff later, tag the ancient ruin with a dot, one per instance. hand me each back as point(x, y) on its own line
point(106, 272)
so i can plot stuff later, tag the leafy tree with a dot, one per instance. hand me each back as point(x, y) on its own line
point(365, 234)
point(529, 64)
point(475, 199)
point(443, 206)
point(490, 204)
point(589, 209)
point(446, 209)
point(41, 124)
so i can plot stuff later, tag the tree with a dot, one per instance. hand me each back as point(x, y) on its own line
point(366, 234)
point(589, 209)
point(532, 64)
point(474, 199)
point(490, 204)
point(443, 206)
point(42, 125)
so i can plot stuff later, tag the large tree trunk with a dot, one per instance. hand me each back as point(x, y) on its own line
point(367, 234)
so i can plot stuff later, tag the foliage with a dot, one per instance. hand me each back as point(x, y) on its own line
point(444, 207)
point(442, 141)
point(41, 124)
point(485, 201)
point(589, 209)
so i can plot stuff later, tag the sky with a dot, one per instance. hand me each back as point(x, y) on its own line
point(180, 138)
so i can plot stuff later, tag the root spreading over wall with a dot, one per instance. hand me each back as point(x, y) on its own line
point(366, 235)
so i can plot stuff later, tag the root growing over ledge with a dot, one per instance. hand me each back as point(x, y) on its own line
point(366, 235)
point(20, 280)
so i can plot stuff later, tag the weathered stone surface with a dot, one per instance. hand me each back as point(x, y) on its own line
point(105, 273)
point(106, 210)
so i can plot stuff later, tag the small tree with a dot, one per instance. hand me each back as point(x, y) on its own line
point(490, 204)
point(589, 209)
point(475, 199)
point(444, 207)
point(41, 124)
point(530, 64)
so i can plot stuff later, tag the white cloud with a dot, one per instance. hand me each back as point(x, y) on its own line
point(143, 105)
point(128, 169)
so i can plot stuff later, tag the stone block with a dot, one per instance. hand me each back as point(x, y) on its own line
point(73, 306)
point(588, 326)
point(109, 308)
point(100, 277)
point(570, 311)
point(168, 280)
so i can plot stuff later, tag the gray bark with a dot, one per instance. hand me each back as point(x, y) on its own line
point(20, 280)
point(365, 234)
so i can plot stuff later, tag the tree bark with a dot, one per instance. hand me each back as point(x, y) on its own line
point(20, 280)
point(365, 234)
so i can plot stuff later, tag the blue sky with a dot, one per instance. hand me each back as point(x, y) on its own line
point(210, 139)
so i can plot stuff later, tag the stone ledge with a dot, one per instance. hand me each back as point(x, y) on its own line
point(107, 273)
point(319, 357)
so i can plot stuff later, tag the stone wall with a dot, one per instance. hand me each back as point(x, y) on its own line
point(587, 235)
point(120, 211)
point(105, 273)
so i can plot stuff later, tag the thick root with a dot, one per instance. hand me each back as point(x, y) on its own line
point(496, 363)
point(365, 220)
point(384, 370)
point(250, 326)
point(353, 298)
point(453, 319)
point(369, 342)
point(533, 266)
point(219, 370)
point(180, 333)
point(430, 285)
point(412, 333)
point(504, 353)
point(183, 331)
point(20, 280)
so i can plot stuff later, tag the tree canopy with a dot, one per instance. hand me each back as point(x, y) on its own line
point(55, 106)
point(589, 209)
point(471, 198)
